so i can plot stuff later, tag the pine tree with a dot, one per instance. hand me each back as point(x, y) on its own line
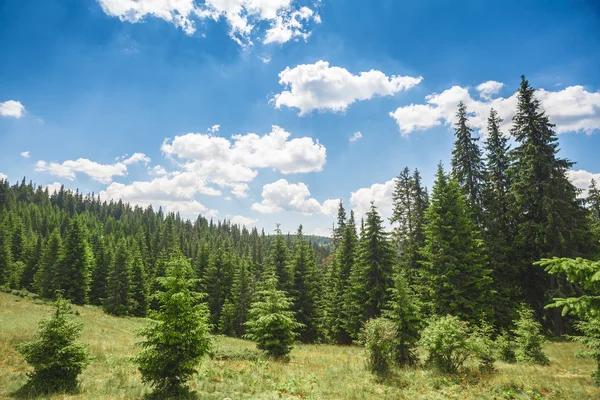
point(497, 233)
point(45, 277)
point(33, 259)
point(403, 309)
point(338, 231)
point(305, 289)
point(174, 345)
point(401, 214)
point(6, 259)
point(103, 261)
point(467, 166)
point(271, 322)
point(454, 261)
point(139, 286)
point(237, 304)
point(57, 359)
point(593, 204)
point(214, 283)
point(278, 260)
point(372, 274)
point(73, 266)
point(118, 300)
point(550, 220)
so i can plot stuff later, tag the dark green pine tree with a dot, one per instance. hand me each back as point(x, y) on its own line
point(454, 263)
point(19, 241)
point(102, 261)
point(338, 231)
point(139, 286)
point(118, 300)
point(33, 259)
point(74, 264)
point(372, 274)
point(278, 260)
point(305, 290)
point(404, 310)
point(235, 311)
point(550, 220)
point(45, 277)
point(497, 231)
point(467, 165)
point(214, 283)
point(5, 254)
point(593, 204)
point(402, 200)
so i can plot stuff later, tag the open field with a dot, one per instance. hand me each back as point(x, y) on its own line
point(315, 371)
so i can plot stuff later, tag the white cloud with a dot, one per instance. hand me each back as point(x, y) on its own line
point(355, 137)
point(379, 193)
point(157, 170)
point(102, 173)
point(582, 179)
point(12, 108)
point(488, 89)
point(241, 220)
point(3, 177)
point(136, 158)
point(284, 196)
point(265, 60)
point(321, 232)
point(283, 19)
point(25, 154)
point(214, 129)
point(53, 187)
point(571, 109)
point(321, 87)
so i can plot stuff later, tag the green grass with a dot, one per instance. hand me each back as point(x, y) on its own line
point(315, 371)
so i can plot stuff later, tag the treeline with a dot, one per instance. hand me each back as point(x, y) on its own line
point(466, 248)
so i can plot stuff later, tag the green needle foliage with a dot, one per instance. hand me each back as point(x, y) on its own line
point(271, 324)
point(529, 339)
point(447, 341)
point(175, 343)
point(56, 358)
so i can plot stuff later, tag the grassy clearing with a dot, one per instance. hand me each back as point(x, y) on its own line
point(315, 371)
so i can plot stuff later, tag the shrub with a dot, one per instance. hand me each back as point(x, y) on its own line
point(379, 338)
point(271, 323)
point(56, 358)
point(447, 341)
point(505, 347)
point(177, 341)
point(528, 339)
point(591, 340)
point(483, 347)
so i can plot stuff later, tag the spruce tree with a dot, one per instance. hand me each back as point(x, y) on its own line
point(102, 264)
point(74, 264)
point(372, 274)
point(45, 277)
point(305, 289)
point(6, 259)
point(338, 231)
point(237, 304)
point(118, 300)
point(467, 166)
point(278, 260)
point(33, 259)
point(402, 200)
point(175, 342)
point(454, 262)
point(550, 220)
point(213, 283)
point(139, 286)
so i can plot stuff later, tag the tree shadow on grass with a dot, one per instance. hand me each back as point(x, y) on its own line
point(182, 394)
point(34, 389)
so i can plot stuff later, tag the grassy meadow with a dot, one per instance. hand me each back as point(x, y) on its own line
point(237, 371)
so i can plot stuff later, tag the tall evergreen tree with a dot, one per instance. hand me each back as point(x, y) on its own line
point(45, 277)
point(118, 300)
point(338, 231)
point(6, 259)
point(237, 304)
point(139, 285)
point(454, 261)
point(33, 259)
point(103, 262)
point(278, 260)
point(550, 220)
point(372, 274)
point(467, 166)
point(402, 200)
point(214, 283)
point(305, 289)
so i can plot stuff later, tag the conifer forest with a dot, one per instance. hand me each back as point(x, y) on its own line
point(491, 271)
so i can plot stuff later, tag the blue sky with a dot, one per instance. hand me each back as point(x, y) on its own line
point(123, 97)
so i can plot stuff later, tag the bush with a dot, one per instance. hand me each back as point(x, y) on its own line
point(529, 339)
point(175, 344)
point(591, 340)
point(483, 347)
point(56, 358)
point(271, 324)
point(505, 347)
point(379, 338)
point(447, 341)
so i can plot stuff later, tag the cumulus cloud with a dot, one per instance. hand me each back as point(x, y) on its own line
point(379, 193)
point(583, 179)
point(241, 220)
point(53, 187)
point(355, 137)
point(572, 109)
point(12, 108)
point(103, 173)
point(321, 87)
point(284, 196)
point(283, 18)
point(3, 177)
point(157, 170)
point(25, 154)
